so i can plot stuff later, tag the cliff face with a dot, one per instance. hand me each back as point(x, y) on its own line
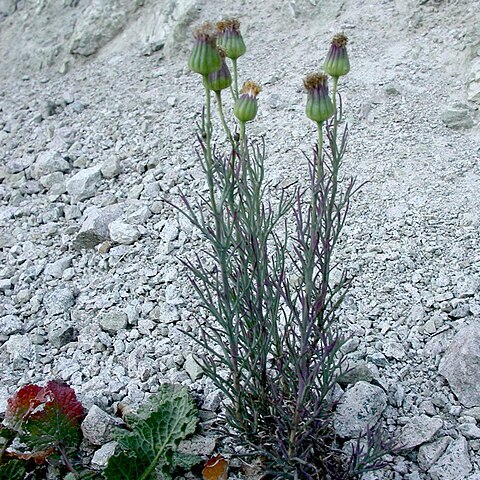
point(56, 35)
point(42, 34)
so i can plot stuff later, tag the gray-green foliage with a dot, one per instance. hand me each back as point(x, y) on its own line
point(149, 450)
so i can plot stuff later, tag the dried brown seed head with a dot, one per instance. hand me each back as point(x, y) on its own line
point(340, 40)
point(205, 33)
point(231, 24)
point(251, 88)
point(315, 80)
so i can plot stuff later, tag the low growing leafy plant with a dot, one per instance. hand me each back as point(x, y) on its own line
point(45, 422)
point(149, 450)
point(271, 337)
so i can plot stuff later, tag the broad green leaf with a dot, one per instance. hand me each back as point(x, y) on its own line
point(157, 429)
point(12, 470)
point(125, 467)
point(83, 474)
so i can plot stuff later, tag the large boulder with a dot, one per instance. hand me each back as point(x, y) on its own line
point(454, 464)
point(360, 408)
point(461, 365)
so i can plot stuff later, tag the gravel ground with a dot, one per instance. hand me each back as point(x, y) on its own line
point(91, 287)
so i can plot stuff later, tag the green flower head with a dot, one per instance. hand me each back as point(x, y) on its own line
point(205, 57)
point(319, 105)
point(246, 106)
point(337, 63)
point(230, 38)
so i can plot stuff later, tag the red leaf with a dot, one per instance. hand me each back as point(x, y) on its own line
point(56, 421)
point(62, 397)
point(22, 404)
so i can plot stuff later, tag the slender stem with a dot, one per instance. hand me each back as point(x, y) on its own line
point(66, 461)
point(208, 152)
point(235, 78)
point(314, 206)
point(243, 151)
point(331, 201)
point(309, 286)
point(219, 248)
point(222, 118)
point(334, 99)
point(319, 165)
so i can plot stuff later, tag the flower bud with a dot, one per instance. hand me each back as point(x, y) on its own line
point(337, 63)
point(220, 79)
point(230, 38)
point(246, 106)
point(205, 57)
point(319, 106)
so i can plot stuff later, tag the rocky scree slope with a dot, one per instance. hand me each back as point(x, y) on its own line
point(97, 121)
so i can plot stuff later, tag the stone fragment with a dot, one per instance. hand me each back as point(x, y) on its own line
point(123, 233)
point(212, 401)
point(193, 367)
point(397, 211)
point(19, 345)
point(198, 445)
point(98, 425)
point(359, 408)
point(10, 324)
point(48, 181)
point(140, 216)
point(473, 82)
point(135, 191)
point(5, 284)
point(4, 396)
point(429, 453)
point(460, 311)
point(165, 314)
point(467, 287)
point(360, 371)
point(111, 167)
point(457, 117)
point(56, 269)
point(23, 296)
point(20, 349)
point(454, 464)
point(58, 301)
point(48, 162)
point(60, 335)
point(84, 184)
point(113, 321)
point(473, 412)
point(469, 430)
point(419, 430)
point(103, 454)
point(394, 349)
point(461, 365)
point(94, 229)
